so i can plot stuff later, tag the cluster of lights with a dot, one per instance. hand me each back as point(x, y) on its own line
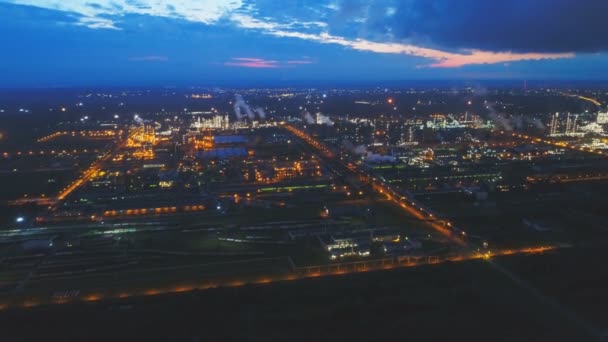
point(152, 211)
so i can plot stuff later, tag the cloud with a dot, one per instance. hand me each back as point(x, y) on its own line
point(247, 62)
point(442, 58)
point(251, 62)
point(405, 27)
point(149, 59)
point(514, 25)
point(96, 23)
point(101, 13)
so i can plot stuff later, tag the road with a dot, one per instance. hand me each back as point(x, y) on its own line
point(584, 98)
point(93, 169)
point(136, 287)
point(380, 186)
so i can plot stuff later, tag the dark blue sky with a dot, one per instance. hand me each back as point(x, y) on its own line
point(206, 42)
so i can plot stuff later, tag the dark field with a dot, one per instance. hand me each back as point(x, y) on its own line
point(471, 301)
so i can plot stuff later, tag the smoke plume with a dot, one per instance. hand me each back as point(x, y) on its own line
point(239, 105)
point(499, 120)
point(261, 113)
point(369, 156)
point(378, 158)
point(360, 150)
point(536, 123)
point(308, 118)
point(519, 122)
point(324, 120)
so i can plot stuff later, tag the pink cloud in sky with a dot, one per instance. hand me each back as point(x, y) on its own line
point(252, 62)
point(149, 59)
point(438, 58)
point(248, 62)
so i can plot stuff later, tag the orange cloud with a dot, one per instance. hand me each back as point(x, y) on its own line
point(442, 59)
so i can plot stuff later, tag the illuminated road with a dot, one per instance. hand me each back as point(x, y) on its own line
point(409, 205)
point(86, 176)
point(565, 178)
point(89, 173)
point(33, 200)
point(415, 209)
point(584, 98)
point(297, 273)
point(310, 140)
point(105, 134)
point(43, 152)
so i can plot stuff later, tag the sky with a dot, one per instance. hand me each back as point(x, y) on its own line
point(63, 43)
